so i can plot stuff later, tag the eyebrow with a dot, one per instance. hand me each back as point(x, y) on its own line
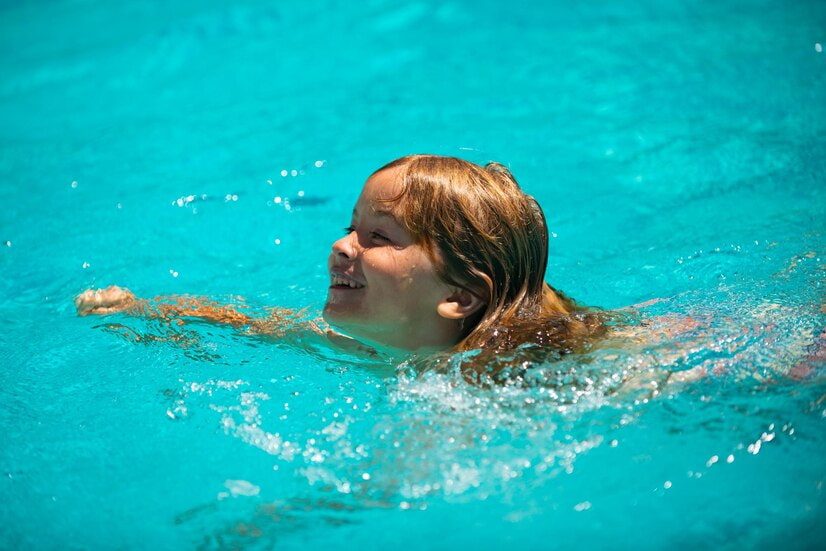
point(379, 212)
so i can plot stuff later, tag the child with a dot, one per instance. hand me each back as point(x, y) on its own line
point(440, 255)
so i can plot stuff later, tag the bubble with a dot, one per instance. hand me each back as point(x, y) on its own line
point(276, 200)
point(293, 173)
point(730, 459)
point(318, 164)
point(269, 182)
point(584, 506)
point(85, 265)
point(284, 173)
point(73, 184)
point(8, 243)
point(818, 47)
point(277, 241)
point(173, 273)
point(667, 484)
point(301, 193)
point(365, 476)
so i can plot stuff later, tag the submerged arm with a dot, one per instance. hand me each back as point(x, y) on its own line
point(173, 308)
point(177, 309)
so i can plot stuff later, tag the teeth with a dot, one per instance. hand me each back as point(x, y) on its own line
point(338, 280)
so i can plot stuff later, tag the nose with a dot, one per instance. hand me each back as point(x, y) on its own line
point(346, 248)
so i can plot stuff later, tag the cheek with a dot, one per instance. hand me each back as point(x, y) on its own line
point(398, 273)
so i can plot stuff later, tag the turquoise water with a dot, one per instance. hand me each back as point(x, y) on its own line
point(677, 149)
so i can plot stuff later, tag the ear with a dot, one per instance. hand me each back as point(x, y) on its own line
point(460, 304)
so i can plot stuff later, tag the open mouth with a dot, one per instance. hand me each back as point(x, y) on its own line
point(341, 282)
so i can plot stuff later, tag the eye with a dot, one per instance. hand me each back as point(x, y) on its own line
point(379, 237)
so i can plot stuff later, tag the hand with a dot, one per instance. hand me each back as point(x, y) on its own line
point(104, 301)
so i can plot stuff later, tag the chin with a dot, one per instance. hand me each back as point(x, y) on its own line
point(346, 321)
point(336, 315)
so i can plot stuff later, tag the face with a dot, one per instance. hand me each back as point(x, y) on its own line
point(384, 287)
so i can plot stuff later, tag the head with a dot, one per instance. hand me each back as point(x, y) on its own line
point(440, 252)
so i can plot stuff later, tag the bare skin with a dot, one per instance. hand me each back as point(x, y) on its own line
point(384, 289)
point(651, 379)
point(177, 309)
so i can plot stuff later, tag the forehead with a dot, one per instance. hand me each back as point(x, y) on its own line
point(380, 193)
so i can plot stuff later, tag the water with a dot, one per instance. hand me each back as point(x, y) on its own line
point(677, 149)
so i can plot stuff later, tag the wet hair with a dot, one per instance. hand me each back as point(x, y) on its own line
point(485, 235)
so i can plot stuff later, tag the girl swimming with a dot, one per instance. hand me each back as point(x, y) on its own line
point(440, 255)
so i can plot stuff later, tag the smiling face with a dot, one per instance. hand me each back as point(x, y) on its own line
point(384, 287)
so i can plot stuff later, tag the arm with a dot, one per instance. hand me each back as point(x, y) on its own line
point(281, 321)
point(114, 299)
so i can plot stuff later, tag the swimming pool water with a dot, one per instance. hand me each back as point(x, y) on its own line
point(217, 149)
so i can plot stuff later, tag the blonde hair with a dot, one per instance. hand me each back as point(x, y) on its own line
point(484, 234)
